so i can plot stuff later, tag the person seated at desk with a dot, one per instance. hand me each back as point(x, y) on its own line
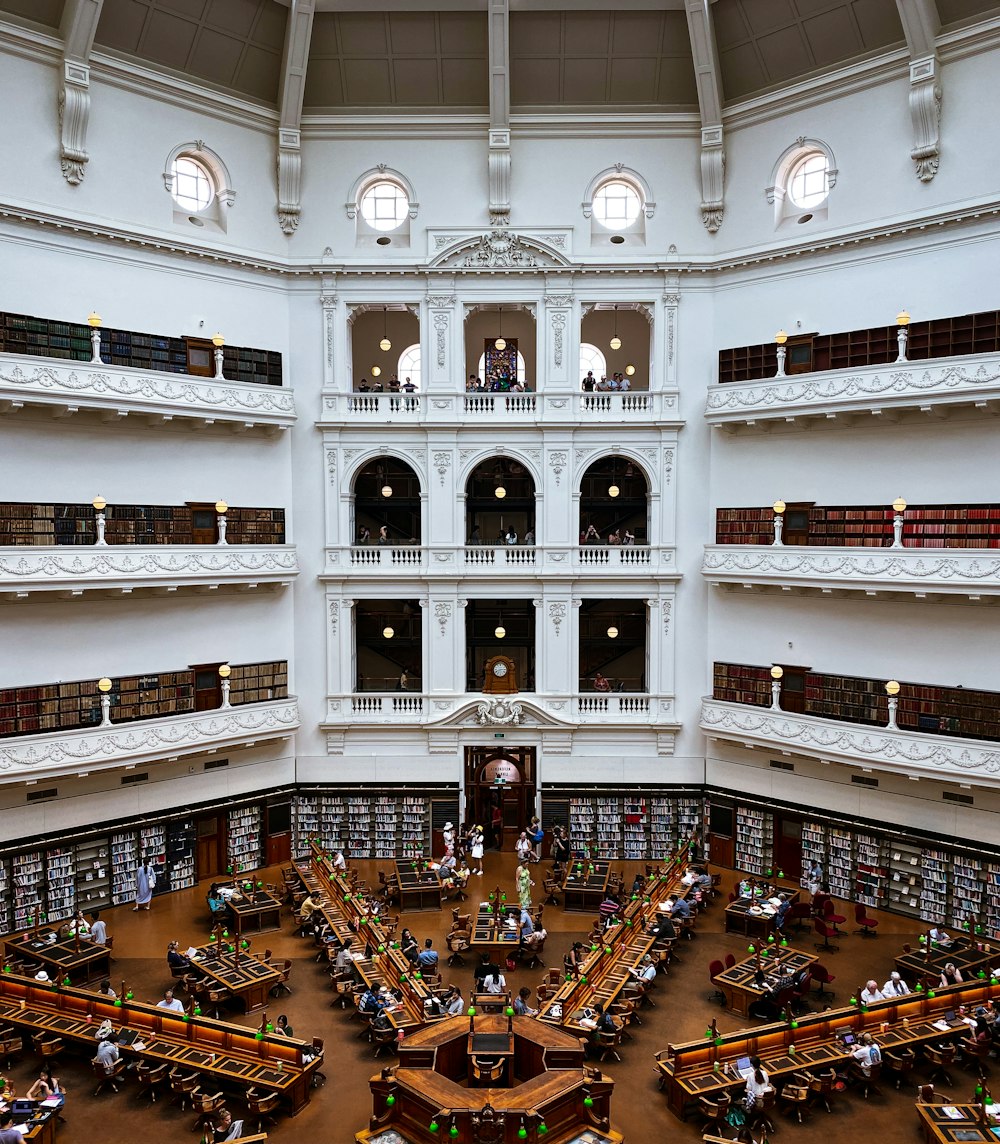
point(494, 982)
point(98, 929)
point(10, 1133)
point(951, 975)
point(663, 929)
point(452, 1002)
point(525, 927)
point(638, 883)
point(678, 908)
point(895, 986)
point(941, 938)
point(867, 1054)
point(574, 957)
point(176, 959)
point(282, 1027)
point(408, 946)
point(108, 1053)
point(225, 1127)
point(339, 861)
point(758, 1082)
point(217, 903)
point(871, 992)
point(765, 1007)
point(104, 988)
point(535, 939)
point(371, 1003)
point(522, 1007)
point(610, 908)
point(484, 969)
point(645, 971)
point(697, 876)
point(170, 1002)
point(343, 963)
point(47, 1087)
point(427, 958)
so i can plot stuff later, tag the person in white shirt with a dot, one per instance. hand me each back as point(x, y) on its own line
point(448, 837)
point(867, 1054)
point(941, 937)
point(895, 986)
point(339, 861)
point(170, 1002)
point(494, 983)
point(98, 930)
point(645, 971)
point(758, 1082)
point(871, 992)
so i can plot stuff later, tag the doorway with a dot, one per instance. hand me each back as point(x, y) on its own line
point(204, 523)
point(207, 686)
point(788, 845)
point(210, 833)
point(500, 779)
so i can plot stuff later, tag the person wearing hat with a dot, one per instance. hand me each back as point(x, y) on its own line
point(478, 847)
point(645, 971)
point(448, 835)
point(895, 986)
point(41, 975)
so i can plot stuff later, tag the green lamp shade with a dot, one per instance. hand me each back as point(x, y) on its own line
point(390, 1100)
point(588, 1102)
point(433, 1126)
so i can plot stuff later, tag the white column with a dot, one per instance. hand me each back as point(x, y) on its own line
point(337, 374)
point(559, 525)
point(339, 644)
point(444, 618)
point(558, 342)
point(442, 361)
point(663, 369)
point(555, 616)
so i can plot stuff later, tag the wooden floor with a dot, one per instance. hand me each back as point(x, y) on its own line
point(343, 1105)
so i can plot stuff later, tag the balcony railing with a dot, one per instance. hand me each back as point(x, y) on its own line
point(870, 748)
point(969, 572)
point(931, 388)
point(117, 393)
point(408, 708)
point(475, 559)
point(499, 408)
point(73, 570)
point(145, 742)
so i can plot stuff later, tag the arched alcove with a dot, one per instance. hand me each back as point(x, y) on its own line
point(614, 501)
point(387, 495)
point(500, 503)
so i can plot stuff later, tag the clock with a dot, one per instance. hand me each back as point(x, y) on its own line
point(500, 676)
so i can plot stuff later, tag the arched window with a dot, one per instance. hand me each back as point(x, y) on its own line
point(382, 203)
point(199, 186)
point(618, 201)
point(409, 365)
point(616, 204)
point(808, 185)
point(194, 187)
point(481, 368)
point(591, 359)
point(801, 182)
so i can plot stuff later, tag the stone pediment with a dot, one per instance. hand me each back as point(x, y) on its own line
point(497, 249)
point(500, 711)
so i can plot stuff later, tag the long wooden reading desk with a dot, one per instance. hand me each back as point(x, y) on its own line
point(419, 886)
point(605, 971)
point(753, 916)
point(491, 928)
point(708, 1067)
point(236, 1057)
point(37, 1125)
point(929, 960)
point(959, 1123)
point(379, 957)
point(779, 965)
point(77, 958)
point(586, 883)
point(258, 911)
point(236, 972)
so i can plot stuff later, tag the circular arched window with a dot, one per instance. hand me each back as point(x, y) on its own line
point(808, 180)
point(616, 204)
point(409, 366)
point(592, 360)
point(193, 186)
point(384, 206)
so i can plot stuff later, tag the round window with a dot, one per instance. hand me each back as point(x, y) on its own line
point(808, 182)
point(616, 204)
point(384, 206)
point(193, 187)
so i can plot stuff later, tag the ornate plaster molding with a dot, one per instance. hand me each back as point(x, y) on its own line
point(78, 385)
point(955, 571)
point(24, 570)
point(713, 177)
point(925, 116)
point(147, 741)
point(289, 179)
point(967, 380)
point(908, 752)
point(74, 117)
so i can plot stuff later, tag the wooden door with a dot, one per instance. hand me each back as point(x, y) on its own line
point(799, 354)
point(278, 833)
point(207, 686)
point(204, 523)
point(721, 833)
point(793, 689)
point(515, 794)
point(788, 846)
point(796, 528)
point(210, 834)
point(200, 357)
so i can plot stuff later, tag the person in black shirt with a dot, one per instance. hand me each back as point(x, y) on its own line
point(485, 969)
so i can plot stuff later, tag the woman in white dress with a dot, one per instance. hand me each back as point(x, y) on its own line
point(145, 880)
point(478, 847)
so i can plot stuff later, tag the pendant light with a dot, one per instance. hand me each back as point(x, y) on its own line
point(380, 477)
point(612, 632)
point(385, 345)
point(500, 631)
point(613, 489)
point(388, 632)
point(376, 371)
point(499, 491)
point(616, 342)
point(500, 344)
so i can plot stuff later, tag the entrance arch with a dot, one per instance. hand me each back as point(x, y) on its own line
point(504, 777)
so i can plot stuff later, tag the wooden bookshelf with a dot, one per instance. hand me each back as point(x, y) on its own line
point(46, 337)
point(955, 711)
point(868, 526)
point(62, 706)
point(23, 523)
point(941, 337)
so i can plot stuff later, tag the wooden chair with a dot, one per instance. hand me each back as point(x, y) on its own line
point(207, 1108)
point(714, 1112)
point(975, 1055)
point(795, 1097)
point(868, 1084)
point(107, 1079)
point(281, 985)
point(261, 1105)
point(940, 1059)
point(926, 1095)
point(551, 888)
point(623, 1011)
point(49, 1046)
point(900, 1063)
point(457, 942)
point(531, 954)
point(210, 1000)
point(822, 1088)
point(265, 957)
point(760, 1118)
point(179, 973)
point(318, 1076)
point(150, 1078)
point(11, 1045)
point(384, 1039)
point(607, 1044)
point(486, 1072)
point(460, 920)
point(183, 1087)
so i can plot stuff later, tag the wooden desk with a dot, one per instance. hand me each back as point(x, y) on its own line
point(971, 1124)
point(419, 889)
point(586, 884)
point(738, 983)
point(491, 931)
point(917, 964)
point(259, 912)
point(231, 1054)
point(40, 1128)
point(707, 1067)
point(238, 973)
point(61, 959)
point(740, 919)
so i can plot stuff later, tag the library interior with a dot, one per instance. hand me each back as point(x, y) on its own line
point(495, 617)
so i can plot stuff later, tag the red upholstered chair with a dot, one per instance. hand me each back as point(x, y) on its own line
point(821, 974)
point(824, 931)
point(730, 960)
point(832, 918)
point(866, 925)
point(714, 969)
point(798, 916)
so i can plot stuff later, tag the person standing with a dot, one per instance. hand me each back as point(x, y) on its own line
point(496, 823)
point(478, 847)
point(145, 880)
point(524, 884)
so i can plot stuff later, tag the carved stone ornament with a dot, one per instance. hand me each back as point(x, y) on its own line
point(558, 330)
point(334, 613)
point(557, 462)
point(331, 465)
point(442, 613)
point(442, 462)
point(668, 466)
point(500, 248)
point(498, 712)
point(441, 330)
point(289, 180)
point(557, 613)
point(74, 116)
point(925, 116)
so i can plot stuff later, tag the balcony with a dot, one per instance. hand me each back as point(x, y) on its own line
point(116, 393)
point(506, 409)
point(481, 560)
point(839, 397)
point(147, 741)
point(971, 573)
point(66, 572)
point(908, 753)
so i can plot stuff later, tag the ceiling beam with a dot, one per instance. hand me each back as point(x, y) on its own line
point(708, 78)
point(499, 155)
point(295, 60)
point(921, 23)
point(77, 29)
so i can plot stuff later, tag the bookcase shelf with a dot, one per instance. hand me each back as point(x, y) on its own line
point(386, 826)
point(754, 840)
point(28, 888)
point(244, 844)
point(46, 337)
point(905, 879)
point(60, 706)
point(872, 874)
point(124, 863)
point(93, 874)
point(60, 883)
point(6, 910)
point(968, 893)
